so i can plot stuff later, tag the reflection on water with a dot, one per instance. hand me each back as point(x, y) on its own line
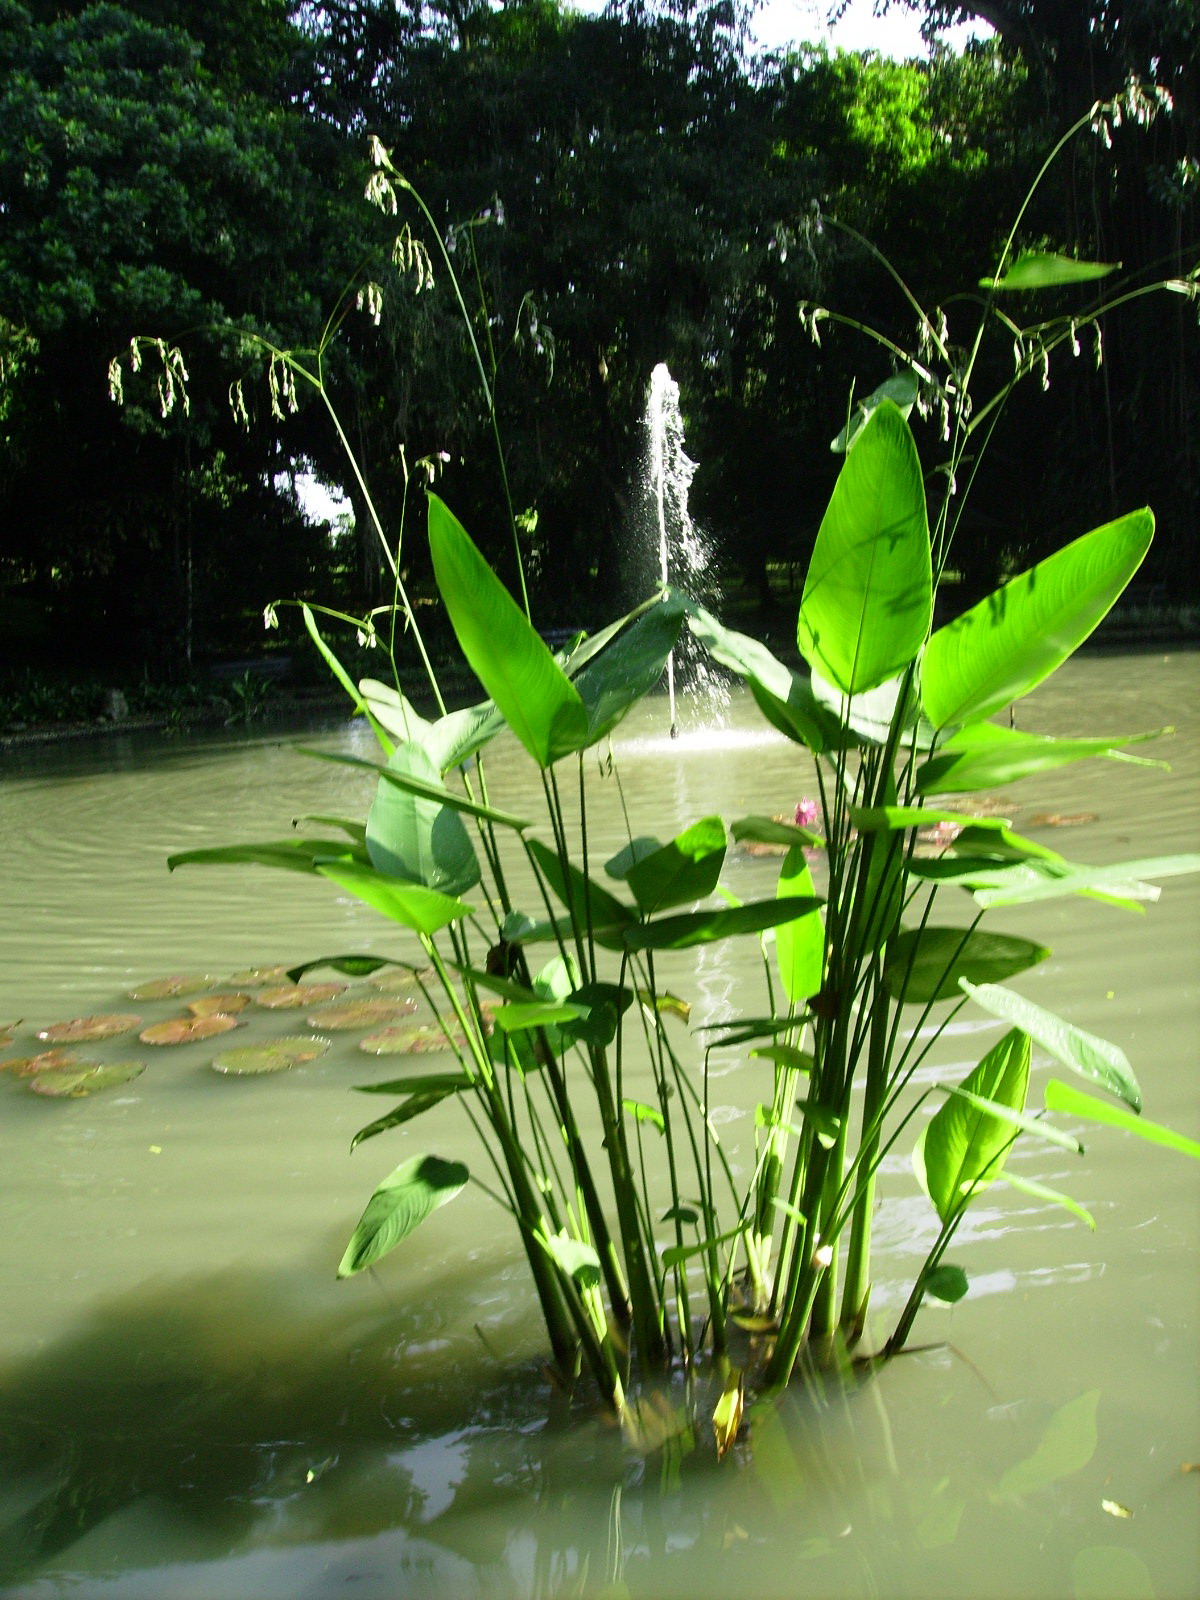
point(190, 1406)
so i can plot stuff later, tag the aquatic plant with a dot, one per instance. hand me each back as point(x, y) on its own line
point(647, 1250)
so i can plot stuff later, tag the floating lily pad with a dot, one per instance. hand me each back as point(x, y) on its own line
point(44, 1061)
point(398, 980)
point(408, 1038)
point(293, 995)
point(274, 1057)
point(367, 1013)
point(81, 1029)
point(87, 1078)
point(172, 988)
point(259, 977)
point(184, 1030)
point(229, 1004)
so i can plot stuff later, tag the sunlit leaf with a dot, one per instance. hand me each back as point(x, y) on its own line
point(401, 1203)
point(799, 945)
point(901, 390)
point(986, 755)
point(704, 927)
point(292, 855)
point(82, 1030)
point(926, 964)
point(1043, 269)
point(277, 1056)
point(1074, 1103)
point(1093, 1058)
point(186, 1030)
point(415, 838)
point(576, 1259)
point(946, 1283)
point(962, 1149)
point(629, 667)
point(410, 904)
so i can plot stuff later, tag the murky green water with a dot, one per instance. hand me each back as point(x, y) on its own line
point(191, 1406)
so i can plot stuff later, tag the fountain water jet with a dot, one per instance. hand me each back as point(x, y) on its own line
point(670, 547)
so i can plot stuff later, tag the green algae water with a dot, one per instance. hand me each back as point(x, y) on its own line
point(192, 1406)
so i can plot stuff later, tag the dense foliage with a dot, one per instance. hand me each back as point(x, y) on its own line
point(623, 189)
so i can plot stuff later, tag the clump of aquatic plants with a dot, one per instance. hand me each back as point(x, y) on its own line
point(650, 1249)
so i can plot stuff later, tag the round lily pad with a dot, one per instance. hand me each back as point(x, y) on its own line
point(89, 1077)
point(81, 1029)
point(259, 977)
point(294, 995)
point(274, 1057)
point(44, 1061)
point(408, 1038)
point(398, 980)
point(183, 1030)
point(172, 988)
point(367, 1013)
point(226, 1003)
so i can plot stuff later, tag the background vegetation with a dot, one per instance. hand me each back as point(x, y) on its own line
point(626, 188)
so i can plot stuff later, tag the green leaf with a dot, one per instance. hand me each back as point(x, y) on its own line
point(1066, 1447)
point(519, 1017)
point(926, 964)
point(900, 390)
point(630, 854)
point(868, 596)
point(1093, 1058)
point(687, 869)
point(410, 904)
point(946, 1283)
point(603, 1005)
point(419, 1101)
point(530, 689)
point(703, 927)
point(766, 830)
point(354, 966)
point(1042, 269)
point(430, 791)
point(419, 1083)
point(963, 1148)
point(1122, 882)
point(644, 1113)
point(458, 735)
point(784, 698)
point(577, 1260)
point(872, 715)
point(1074, 1103)
point(330, 660)
point(629, 667)
point(417, 839)
point(1041, 1191)
point(799, 945)
point(1007, 644)
point(350, 826)
point(890, 819)
point(293, 855)
point(986, 755)
point(393, 711)
point(676, 1254)
point(785, 1055)
point(401, 1203)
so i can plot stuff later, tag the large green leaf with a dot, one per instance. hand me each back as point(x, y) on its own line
point(868, 596)
point(963, 1147)
point(589, 903)
point(799, 945)
point(926, 963)
point(1042, 269)
point(293, 855)
point(684, 870)
point(629, 667)
point(420, 1096)
point(401, 1203)
point(703, 927)
point(393, 711)
point(410, 904)
point(1007, 644)
point(530, 689)
point(432, 791)
point(1097, 1059)
point(1074, 1103)
point(457, 736)
point(415, 838)
point(901, 390)
point(986, 755)
point(784, 698)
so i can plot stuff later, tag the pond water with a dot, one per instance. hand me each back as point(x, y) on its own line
point(191, 1406)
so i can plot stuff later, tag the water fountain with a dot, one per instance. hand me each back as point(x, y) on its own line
point(668, 547)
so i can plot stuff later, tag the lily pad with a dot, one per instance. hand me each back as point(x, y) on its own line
point(172, 988)
point(274, 1057)
point(259, 977)
point(408, 1038)
point(367, 1013)
point(81, 1029)
point(89, 1077)
point(185, 1030)
point(44, 1061)
point(226, 1003)
point(289, 996)
point(399, 980)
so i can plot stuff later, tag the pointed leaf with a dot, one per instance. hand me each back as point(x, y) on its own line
point(685, 870)
point(1074, 1103)
point(410, 904)
point(768, 830)
point(703, 927)
point(799, 945)
point(414, 785)
point(900, 390)
point(393, 711)
point(459, 735)
point(986, 755)
point(579, 893)
point(576, 1259)
point(402, 1201)
point(963, 1147)
point(1066, 1447)
point(1041, 1191)
point(1007, 644)
point(1042, 269)
point(293, 855)
point(417, 839)
point(926, 964)
point(530, 689)
point(868, 596)
point(1084, 1053)
point(629, 668)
